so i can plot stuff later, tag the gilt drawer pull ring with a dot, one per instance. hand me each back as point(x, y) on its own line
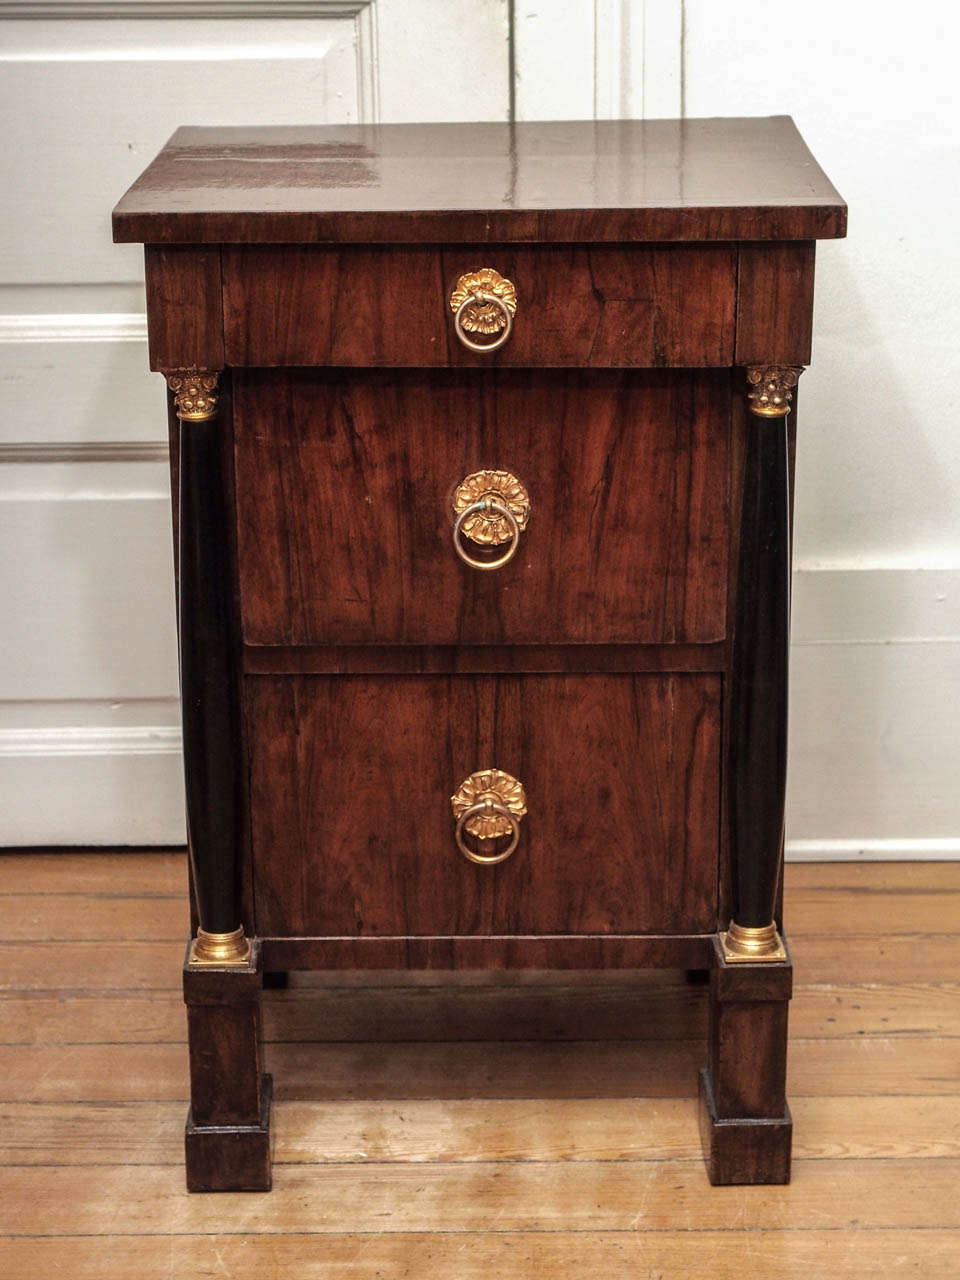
point(488, 805)
point(490, 508)
point(483, 301)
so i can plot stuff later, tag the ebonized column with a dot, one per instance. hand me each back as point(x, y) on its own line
point(758, 742)
point(208, 687)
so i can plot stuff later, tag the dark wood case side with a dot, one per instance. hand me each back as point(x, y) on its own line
point(244, 858)
point(227, 1139)
point(738, 437)
point(744, 1119)
point(184, 306)
point(231, 1157)
point(775, 303)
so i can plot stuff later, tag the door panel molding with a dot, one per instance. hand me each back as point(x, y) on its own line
point(92, 740)
point(184, 8)
point(97, 326)
point(86, 451)
point(614, 60)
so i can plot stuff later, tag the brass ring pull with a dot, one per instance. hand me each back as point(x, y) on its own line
point(483, 301)
point(491, 509)
point(488, 506)
point(480, 299)
point(488, 806)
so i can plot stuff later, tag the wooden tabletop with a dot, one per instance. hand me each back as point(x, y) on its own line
point(721, 179)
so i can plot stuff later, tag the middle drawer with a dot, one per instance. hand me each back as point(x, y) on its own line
point(348, 486)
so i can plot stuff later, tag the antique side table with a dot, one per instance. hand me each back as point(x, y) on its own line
point(482, 450)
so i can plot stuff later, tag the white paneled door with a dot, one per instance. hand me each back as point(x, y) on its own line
point(90, 90)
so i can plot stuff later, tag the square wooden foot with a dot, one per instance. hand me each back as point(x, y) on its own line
point(740, 1150)
point(232, 1157)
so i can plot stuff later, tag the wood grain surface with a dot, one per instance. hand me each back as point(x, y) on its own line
point(583, 1171)
point(344, 502)
point(554, 951)
point(775, 303)
point(395, 1007)
point(522, 1197)
point(184, 307)
point(600, 307)
point(588, 181)
point(474, 1256)
point(329, 1072)
point(351, 779)
point(850, 1253)
point(385, 659)
point(472, 1130)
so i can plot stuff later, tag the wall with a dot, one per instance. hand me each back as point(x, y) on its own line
point(876, 662)
point(88, 722)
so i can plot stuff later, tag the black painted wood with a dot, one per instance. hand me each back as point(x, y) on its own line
point(758, 731)
point(208, 686)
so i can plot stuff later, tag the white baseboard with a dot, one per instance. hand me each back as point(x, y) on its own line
point(91, 786)
point(91, 740)
point(931, 850)
point(874, 734)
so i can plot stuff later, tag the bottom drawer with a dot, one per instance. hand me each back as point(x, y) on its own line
point(353, 831)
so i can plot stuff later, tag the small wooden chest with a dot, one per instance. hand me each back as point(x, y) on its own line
point(483, 449)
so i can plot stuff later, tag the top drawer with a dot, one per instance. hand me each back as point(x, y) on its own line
point(582, 306)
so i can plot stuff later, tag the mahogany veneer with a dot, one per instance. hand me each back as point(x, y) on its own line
point(567, 183)
point(342, 485)
point(597, 307)
point(344, 670)
point(626, 839)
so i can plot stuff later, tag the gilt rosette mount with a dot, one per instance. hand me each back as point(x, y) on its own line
point(483, 302)
point(488, 526)
point(488, 806)
point(490, 509)
point(771, 394)
point(195, 393)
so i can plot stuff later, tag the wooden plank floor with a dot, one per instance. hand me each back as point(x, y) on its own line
point(507, 1125)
